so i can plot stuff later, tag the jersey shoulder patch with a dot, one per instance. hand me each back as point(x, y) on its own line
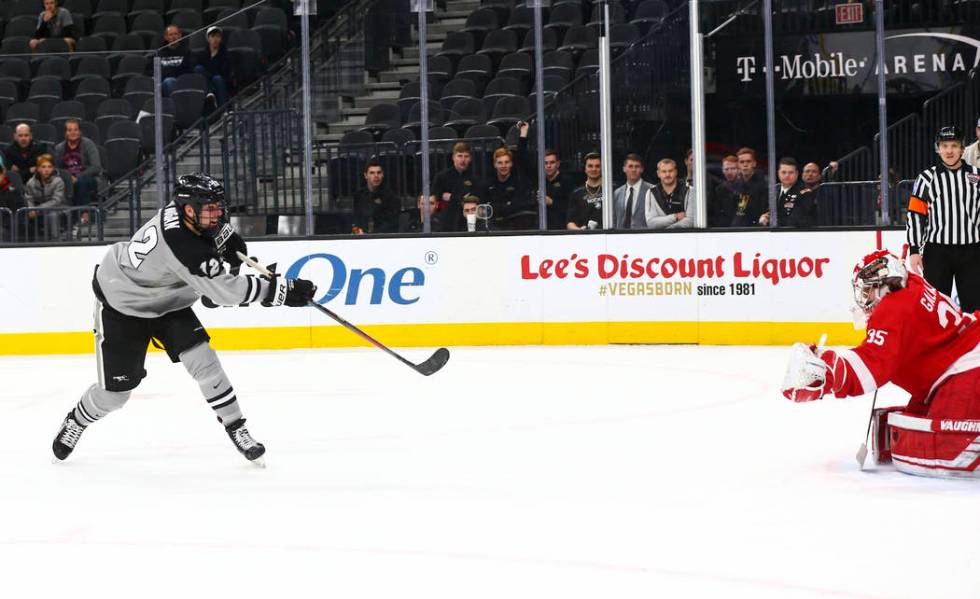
point(194, 252)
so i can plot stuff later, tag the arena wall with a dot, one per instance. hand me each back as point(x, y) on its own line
point(695, 287)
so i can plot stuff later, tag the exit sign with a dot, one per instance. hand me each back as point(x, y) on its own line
point(849, 14)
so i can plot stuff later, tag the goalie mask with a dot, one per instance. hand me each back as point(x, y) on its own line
point(196, 191)
point(875, 276)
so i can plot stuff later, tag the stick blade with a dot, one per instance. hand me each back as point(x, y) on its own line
point(434, 363)
point(862, 454)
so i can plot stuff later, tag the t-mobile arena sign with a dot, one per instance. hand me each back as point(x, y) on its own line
point(837, 63)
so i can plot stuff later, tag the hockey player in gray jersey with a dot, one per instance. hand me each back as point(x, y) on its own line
point(144, 290)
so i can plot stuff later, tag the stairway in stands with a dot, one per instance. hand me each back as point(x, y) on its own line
point(405, 68)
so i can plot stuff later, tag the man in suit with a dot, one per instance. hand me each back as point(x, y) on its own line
point(630, 198)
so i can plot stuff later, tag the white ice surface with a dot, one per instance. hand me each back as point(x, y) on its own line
point(578, 472)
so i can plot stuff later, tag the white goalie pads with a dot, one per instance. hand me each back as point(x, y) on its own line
point(805, 369)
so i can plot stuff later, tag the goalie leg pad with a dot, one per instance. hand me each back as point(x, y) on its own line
point(938, 448)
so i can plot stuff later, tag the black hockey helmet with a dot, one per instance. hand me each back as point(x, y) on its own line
point(949, 133)
point(198, 189)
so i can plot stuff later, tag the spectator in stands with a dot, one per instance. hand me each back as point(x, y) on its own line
point(971, 155)
point(438, 220)
point(45, 190)
point(811, 177)
point(721, 206)
point(670, 204)
point(376, 208)
point(54, 22)
point(630, 198)
point(80, 157)
point(10, 197)
point(214, 63)
point(21, 156)
point(507, 190)
point(558, 185)
point(175, 59)
point(585, 203)
point(751, 191)
point(796, 209)
point(471, 219)
point(456, 181)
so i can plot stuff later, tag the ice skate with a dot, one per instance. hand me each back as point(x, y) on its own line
point(66, 439)
point(246, 445)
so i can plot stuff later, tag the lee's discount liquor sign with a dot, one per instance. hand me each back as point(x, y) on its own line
point(849, 14)
point(845, 63)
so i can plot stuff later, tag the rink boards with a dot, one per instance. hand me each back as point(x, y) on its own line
point(693, 287)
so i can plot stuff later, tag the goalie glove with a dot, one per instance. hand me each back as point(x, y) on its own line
point(807, 376)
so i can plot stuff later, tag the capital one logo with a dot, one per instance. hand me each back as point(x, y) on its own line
point(331, 275)
point(837, 64)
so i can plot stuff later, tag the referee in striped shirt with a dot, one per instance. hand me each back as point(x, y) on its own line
point(944, 222)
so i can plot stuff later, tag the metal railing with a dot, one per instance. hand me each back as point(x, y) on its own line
point(76, 223)
point(7, 234)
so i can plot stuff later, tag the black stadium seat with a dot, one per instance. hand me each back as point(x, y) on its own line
point(480, 22)
point(231, 20)
point(215, 7)
point(64, 110)
point(508, 111)
point(457, 44)
point(139, 7)
point(47, 133)
point(456, 90)
point(9, 94)
point(185, 6)
point(109, 7)
point(149, 26)
point(467, 112)
point(54, 67)
point(480, 131)
point(188, 97)
point(91, 92)
point(112, 111)
point(498, 43)
point(380, 118)
point(549, 41)
point(517, 65)
point(501, 87)
point(45, 93)
point(109, 26)
point(22, 112)
point(138, 90)
point(476, 67)
point(245, 51)
point(92, 67)
point(122, 144)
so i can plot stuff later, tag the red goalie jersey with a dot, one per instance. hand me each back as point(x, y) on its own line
point(917, 338)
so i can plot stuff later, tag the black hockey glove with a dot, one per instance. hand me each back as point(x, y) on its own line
point(229, 252)
point(291, 292)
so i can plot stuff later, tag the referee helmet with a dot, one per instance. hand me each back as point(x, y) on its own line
point(949, 133)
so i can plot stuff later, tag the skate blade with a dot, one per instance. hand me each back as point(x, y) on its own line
point(259, 462)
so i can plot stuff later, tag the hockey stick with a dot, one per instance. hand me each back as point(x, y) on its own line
point(435, 362)
point(862, 453)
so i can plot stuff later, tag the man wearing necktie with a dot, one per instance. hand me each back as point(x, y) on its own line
point(629, 198)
